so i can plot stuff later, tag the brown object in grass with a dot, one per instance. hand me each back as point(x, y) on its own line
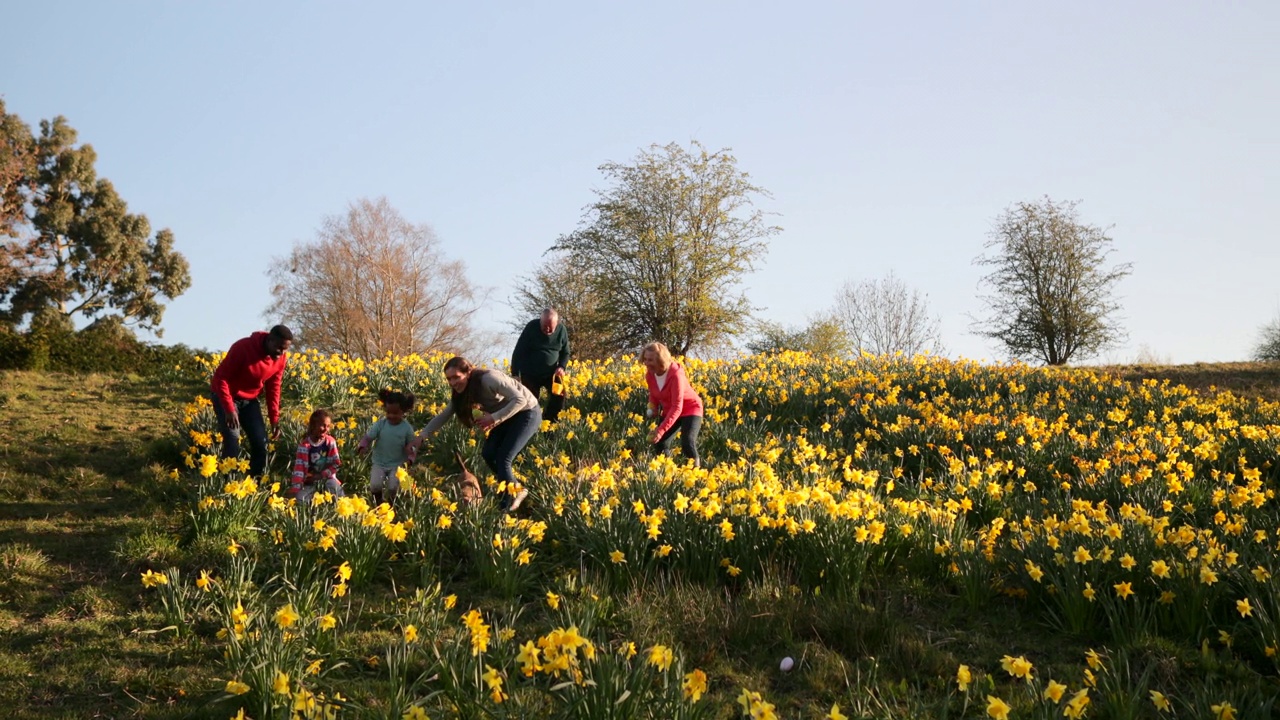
point(468, 486)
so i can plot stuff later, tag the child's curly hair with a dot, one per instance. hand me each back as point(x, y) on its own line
point(402, 400)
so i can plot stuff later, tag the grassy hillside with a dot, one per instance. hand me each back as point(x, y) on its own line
point(88, 504)
point(84, 499)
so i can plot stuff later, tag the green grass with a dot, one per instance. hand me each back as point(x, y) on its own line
point(83, 503)
point(86, 504)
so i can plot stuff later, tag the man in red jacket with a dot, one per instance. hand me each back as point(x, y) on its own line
point(253, 365)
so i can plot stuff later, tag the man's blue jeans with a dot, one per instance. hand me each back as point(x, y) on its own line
point(507, 439)
point(252, 426)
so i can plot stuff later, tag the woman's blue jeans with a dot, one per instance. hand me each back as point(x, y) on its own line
point(507, 439)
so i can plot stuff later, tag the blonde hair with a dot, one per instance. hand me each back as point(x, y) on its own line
point(660, 350)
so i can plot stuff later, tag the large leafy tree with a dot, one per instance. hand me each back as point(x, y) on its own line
point(1052, 291)
point(372, 282)
point(665, 246)
point(71, 246)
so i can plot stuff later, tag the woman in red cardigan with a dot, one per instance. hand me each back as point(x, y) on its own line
point(673, 399)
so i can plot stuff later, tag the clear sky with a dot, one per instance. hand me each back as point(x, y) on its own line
point(890, 135)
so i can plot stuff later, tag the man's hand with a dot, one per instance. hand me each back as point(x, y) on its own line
point(654, 437)
point(233, 419)
point(275, 432)
point(485, 421)
point(559, 373)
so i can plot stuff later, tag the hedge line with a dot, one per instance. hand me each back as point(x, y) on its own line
point(90, 350)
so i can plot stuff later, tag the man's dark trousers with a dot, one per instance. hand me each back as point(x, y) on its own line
point(555, 403)
point(251, 426)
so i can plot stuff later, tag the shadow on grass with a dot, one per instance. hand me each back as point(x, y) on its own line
point(81, 461)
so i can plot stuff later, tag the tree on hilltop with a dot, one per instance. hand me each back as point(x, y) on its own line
point(1052, 293)
point(372, 283)
point(884, 317)
point(664, 247)
point(823, 335)
point(70, 245)
point(1268, 347)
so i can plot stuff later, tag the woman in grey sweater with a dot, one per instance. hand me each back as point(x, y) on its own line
point(492, 401)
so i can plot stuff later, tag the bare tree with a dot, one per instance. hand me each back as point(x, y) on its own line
point(883, 317)
point(1052, 295)
point(372, 283)
point(1268, 346)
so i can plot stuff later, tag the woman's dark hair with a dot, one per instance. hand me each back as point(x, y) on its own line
point(459, 363)
point(402, 400)
point(317, 415)
point(462, 402)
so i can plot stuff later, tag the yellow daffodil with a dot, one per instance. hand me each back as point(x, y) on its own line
point(694, 685)
point(1076, 705)
point(151, 579)
point(1223, 711)
point(286, 616)
point(1018, 667)
point(661, 657)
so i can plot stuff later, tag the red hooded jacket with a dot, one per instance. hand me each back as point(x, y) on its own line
point(246, 372)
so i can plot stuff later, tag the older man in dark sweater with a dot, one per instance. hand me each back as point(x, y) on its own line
point(540, 357)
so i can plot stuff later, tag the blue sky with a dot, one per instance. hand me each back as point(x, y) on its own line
point(889, 134)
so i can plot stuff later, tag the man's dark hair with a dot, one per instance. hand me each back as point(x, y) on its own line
point(282, 332)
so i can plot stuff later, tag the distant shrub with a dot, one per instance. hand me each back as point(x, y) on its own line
point(1268, 347)
point(102, 347)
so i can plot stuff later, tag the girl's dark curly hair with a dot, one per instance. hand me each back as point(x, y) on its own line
point(402, 400)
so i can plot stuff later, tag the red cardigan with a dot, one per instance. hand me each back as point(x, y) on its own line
point(677, 397)
point(246, 372)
